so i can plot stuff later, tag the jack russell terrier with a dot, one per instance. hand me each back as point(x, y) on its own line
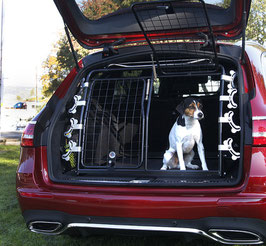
point(184, 134)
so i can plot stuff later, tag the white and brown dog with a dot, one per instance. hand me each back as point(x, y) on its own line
point(184, 134)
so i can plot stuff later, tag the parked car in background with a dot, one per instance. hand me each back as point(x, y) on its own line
point(92, 158)
point(20, 105)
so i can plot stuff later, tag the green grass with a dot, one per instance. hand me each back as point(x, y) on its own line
point(14, 232)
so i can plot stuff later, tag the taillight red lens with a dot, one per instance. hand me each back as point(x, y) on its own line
point(28, 135)
point(259, 131)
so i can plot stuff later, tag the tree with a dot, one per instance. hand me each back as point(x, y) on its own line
point(19, 98)
point(256, 28)
point(58, 65)
point(64, 55)
point(95, 9)
point(52, 77)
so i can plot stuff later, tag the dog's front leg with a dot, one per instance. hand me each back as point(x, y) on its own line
point(202, 156)
point(179, 151)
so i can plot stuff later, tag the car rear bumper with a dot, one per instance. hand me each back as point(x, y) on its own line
point(222, 229)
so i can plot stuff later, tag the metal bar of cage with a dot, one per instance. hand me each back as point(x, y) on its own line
point(149, 93)
point(220, 128)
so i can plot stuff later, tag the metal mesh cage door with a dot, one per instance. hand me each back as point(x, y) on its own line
point(113, 134)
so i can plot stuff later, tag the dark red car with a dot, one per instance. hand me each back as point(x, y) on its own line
point(92, 157)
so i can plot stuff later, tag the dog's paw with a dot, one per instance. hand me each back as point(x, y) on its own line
point(189, 165)
point(164, 168)
point(182, 168)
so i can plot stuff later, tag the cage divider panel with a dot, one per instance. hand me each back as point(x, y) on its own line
point(113, 132)
point(170, 18)
point(220, 127)
point(87, 90)
point(148, 97)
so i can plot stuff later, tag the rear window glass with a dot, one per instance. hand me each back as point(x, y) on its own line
point(95, 9)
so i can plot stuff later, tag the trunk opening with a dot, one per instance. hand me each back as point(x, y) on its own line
point(115, 130)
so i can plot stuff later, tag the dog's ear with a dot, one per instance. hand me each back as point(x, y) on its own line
point(180, 108)
point(200, 102)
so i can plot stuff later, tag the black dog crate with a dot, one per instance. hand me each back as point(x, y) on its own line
point(127, 109)
point(125, 120)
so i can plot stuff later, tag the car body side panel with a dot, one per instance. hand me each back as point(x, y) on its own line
point(258, 104)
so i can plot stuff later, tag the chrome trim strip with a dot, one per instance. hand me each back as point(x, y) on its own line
point(259, 118)
point(212, 234)
point(33, 122)
point(105, 181)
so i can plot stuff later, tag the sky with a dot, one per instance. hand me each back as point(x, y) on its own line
point(31, 27)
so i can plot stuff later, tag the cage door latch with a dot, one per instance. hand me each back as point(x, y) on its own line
point(230, 99)
point(109, 48)
point(72, 148)
point(73, 126)
point(230, 89)
point(77, 102)
point(229, 78)
point(85, 84)
point(227, 146)
point(228, 118)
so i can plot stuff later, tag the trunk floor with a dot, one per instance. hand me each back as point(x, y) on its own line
point(156, 164)
point(153, 175)
point(177, 180)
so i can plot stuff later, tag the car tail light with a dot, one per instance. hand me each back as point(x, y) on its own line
point(259, 131)
point(28, 135)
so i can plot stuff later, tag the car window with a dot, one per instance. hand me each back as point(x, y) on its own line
point(95, 9)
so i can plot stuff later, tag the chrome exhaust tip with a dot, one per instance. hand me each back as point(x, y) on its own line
point(45, 227)
point(235, 236)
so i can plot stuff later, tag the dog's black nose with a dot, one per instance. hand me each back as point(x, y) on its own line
point(200, 115)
